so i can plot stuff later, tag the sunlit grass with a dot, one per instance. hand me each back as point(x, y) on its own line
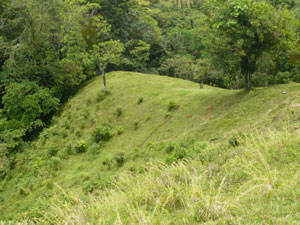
point(147, 131)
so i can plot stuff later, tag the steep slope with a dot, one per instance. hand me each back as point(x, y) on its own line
point(144, 117)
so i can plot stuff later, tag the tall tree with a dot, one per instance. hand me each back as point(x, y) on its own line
point(245, 29)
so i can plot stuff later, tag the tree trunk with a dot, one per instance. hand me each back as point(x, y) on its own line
point(104, 82)
point(248, 77)
point(237, 82)
point(201, 84)
point(248, 68)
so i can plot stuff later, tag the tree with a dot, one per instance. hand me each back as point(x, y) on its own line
point(104, 53)
point(200, 70)
point(138, 55)
point(86, 38)
point(178, 66)
point(245, 29)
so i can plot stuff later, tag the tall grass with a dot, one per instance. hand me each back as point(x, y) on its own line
point(256, 182)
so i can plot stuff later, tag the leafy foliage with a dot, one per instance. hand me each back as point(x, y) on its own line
point(102, 133)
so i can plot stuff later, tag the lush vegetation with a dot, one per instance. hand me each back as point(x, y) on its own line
point(62, 113)
point(49, 48)
point(144, 119)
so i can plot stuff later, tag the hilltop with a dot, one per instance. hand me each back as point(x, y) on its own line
point(95, 139)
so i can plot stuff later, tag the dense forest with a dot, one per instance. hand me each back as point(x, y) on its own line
point(48, 49)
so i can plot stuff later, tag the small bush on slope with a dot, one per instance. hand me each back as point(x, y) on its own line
point(102, 133)
point(254, 183)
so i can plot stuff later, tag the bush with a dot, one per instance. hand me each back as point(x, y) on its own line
point(180, 153)
point(136, 125)
point(283, 77)
point(170, 147)
point(168, 115)
point(108, 163)
point(140, 100)
point(172, 106)
point(23, 191)
point(233, 141)
point(120, 130)
point(102, 133)
point(89, 186)
point(119, 112)
point(81, 146)
point(120, 159)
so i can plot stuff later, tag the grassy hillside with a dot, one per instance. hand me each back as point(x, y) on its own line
point(98, 137)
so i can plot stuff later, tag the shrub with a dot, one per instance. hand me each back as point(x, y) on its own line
point(170, 147)
point(172, 106)
point(89, 186)
point(136, 125)
point(140, 100)
point(233, 141)
point(102, 133)
point(180, 153)
point(120, 130)
point(108, 163)
point(283, 77)
point(23, 191)
point(251, 93)
point(120, 159)
point(119, 112)
point(168, 115)
point(81, 146)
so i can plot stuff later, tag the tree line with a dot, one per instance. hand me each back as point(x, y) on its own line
point(49, 48)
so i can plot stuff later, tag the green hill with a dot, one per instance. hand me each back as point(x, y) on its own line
point(159, 150)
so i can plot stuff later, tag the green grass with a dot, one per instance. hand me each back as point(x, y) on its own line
point(254, 183)
point(151, 132)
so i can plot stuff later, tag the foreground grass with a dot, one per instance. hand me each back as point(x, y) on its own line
point(143, 131)
point(256, 182)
